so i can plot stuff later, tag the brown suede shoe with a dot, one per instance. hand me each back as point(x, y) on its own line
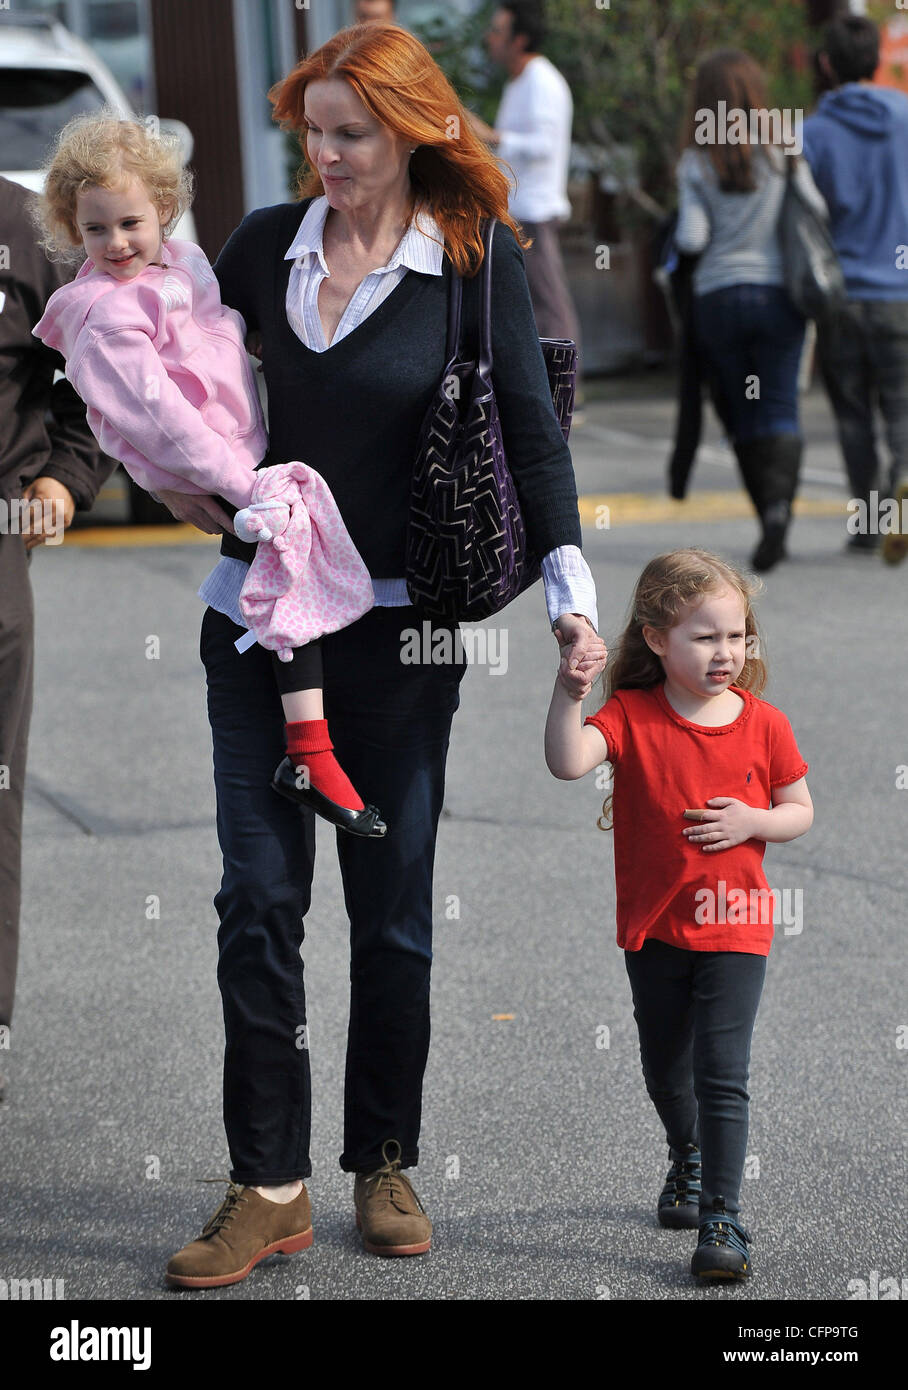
point(388, 1212)
point(245, 1229)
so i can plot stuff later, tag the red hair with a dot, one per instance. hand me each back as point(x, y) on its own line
point(453, 173)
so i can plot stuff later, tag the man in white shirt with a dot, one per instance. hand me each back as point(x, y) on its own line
point(533, 135)
point(366, 11)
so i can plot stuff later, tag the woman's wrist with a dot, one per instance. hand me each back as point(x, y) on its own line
point(557, 621)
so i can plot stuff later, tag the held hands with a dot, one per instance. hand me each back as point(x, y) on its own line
point(726, 822)
point(583, 654)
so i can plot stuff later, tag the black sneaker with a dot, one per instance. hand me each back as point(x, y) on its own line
point(721, 1251)
point(862, 544)
point(679, 1200)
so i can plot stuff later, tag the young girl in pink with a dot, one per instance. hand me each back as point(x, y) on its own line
point(705, 773)
point(161, 364)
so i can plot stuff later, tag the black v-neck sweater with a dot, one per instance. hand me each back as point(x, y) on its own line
point(354, 412)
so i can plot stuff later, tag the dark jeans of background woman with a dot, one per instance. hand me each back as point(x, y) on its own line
point(753, 337)
point(390, 724)
point(695, 1013)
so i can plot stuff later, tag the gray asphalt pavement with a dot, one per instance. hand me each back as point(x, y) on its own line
point(541, 1155)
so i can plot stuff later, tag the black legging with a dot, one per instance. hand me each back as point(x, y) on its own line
point(695, 1013)
point(302, 672)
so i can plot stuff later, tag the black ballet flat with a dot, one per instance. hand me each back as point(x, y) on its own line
point(367, 822)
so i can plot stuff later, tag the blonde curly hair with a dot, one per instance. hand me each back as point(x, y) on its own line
point(102, 150)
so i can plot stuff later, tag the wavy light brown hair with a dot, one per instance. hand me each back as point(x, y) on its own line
point(455, 177)
point(669, 585)
point(101, 150)
point(732, 76)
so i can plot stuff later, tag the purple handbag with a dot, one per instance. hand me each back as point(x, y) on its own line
point(467, 554)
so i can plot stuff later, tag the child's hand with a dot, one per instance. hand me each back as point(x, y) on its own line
point(583, 655)
point(726, 822)
point(578, 680)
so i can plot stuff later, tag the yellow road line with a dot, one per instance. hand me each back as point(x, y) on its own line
point(607, 509)
point(179, 534)
point(602, 509)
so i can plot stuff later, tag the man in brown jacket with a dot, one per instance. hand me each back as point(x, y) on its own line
point(49, 459)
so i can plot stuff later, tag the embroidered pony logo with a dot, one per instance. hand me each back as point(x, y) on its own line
point(199, 269)
point(174, 292)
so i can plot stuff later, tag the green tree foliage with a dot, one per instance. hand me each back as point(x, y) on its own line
point(630, 67)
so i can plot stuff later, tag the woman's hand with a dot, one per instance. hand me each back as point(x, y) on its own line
point(254, 347)
point(583, 654)
point(203, 512)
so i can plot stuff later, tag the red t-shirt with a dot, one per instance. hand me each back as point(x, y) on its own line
point(667, 887)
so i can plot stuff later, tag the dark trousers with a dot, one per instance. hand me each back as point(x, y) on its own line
point(553, 306)
point(695, 1013)
point(863, 357)
point(16, 675)
point(390, 724)
point(752, 336)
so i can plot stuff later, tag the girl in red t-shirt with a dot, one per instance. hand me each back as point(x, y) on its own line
point(705, 773)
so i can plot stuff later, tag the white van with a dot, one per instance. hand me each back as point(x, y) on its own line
point(48, 75)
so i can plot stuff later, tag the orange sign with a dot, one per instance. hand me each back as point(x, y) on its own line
point(893, 69)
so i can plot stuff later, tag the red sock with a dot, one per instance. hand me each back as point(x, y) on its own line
point(309, 746)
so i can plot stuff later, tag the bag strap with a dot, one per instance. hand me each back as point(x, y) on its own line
point(485, 322)
point(455, 299)
point(455, 306)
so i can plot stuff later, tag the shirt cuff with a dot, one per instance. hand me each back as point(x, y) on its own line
point(569, 584)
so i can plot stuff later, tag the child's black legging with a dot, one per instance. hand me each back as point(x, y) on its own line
point(302, 672)
point(695, 1013)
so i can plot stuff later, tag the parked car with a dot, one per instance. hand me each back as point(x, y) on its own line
point(47, 76)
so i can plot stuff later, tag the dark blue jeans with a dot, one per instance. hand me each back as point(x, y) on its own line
point(695, 1013)
point(753, 337)
point(390, 724)
point(864, 360)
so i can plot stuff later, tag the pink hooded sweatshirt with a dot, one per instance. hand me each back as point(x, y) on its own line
point(160, 363)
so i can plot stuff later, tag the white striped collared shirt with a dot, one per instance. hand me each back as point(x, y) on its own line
point(569, 586)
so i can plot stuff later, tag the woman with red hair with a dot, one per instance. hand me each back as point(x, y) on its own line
point(346, 292)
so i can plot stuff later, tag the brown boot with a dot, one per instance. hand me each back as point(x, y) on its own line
point(245, 1229)
point(388, 1211)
